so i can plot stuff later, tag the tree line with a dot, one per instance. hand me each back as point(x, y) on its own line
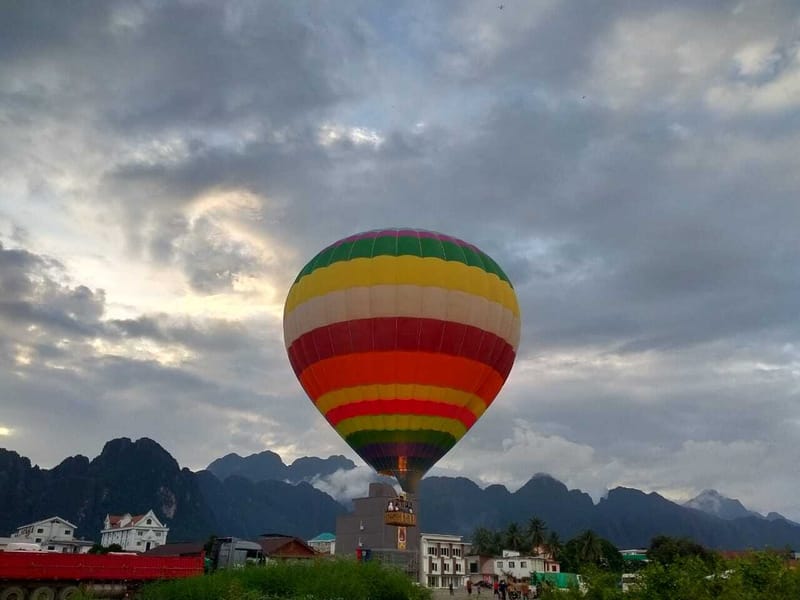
point(534, 539)
point(676, 568)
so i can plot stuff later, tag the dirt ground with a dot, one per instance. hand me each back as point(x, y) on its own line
point(462, 595)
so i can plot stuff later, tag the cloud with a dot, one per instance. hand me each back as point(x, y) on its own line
point(344, 485)
point(633, 169)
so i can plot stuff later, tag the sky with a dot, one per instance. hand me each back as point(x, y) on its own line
point(166, 169)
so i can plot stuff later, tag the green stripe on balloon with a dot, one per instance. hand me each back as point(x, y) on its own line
point(403, 246)
point(425, 436)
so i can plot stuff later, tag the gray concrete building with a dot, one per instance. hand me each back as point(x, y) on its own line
point(364, 528)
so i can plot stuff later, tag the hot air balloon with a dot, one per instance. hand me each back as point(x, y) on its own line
point(402, 338)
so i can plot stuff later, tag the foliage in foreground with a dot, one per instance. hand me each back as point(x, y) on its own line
point(309, 580)
point(761, 576)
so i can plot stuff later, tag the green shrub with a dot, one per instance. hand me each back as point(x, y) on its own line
point(306, 580)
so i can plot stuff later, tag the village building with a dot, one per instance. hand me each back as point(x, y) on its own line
point(443, 561)
point(515, 567)
point(324, 543)
point(363, 534)
point(53, 535)
point(480, 568)
point(134, 533)
point(276, 546)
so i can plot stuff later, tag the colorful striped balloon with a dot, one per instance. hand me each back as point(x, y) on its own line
point(402, 338)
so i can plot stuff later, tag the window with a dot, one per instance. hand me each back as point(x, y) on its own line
point(456, 551)
point(473, 567)
point(458, 567)
point(511, 564)
point(40, 530)
point(158, 534)
point(434, 567)
point(38, 540)
point(67, 531)
point(431, 551)
point(523, 564)
point(499, 564)
point(149, 521)
point(138, 543)
point(140, 533)
point(445, 551)
point(553, 568)
point(51, 548)
point(447, 567)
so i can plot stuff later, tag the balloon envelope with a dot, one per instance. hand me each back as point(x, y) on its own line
point(402, 339)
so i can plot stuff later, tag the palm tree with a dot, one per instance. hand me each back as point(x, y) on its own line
point(554, 545)
point(483, 541)
point(514, 537)
point(536, 530)
point(590, 549)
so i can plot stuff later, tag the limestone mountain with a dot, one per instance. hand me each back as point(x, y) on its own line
point(126, 477)
point(268, 466)
point(629, 518)
point(135, 476)
point(714, 503)
point(252, 495)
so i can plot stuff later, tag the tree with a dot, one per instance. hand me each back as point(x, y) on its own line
point(513, 537)
point(590, 549)
point(554, 545)
point(536, 533)
point(611, 559)
point(666, 550)
point(483, 541)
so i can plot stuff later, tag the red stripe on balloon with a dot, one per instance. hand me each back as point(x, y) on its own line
point(408, 334)
point(423, 368)
point(400, 407)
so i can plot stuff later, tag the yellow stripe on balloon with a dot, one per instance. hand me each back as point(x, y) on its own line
point(402, 270)
point(362, 393)
point(401, 422)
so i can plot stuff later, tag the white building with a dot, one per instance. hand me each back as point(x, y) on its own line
point(512, 564)
point(53, 535)
point(135, 533)
point(324, 543)
point(443, 560)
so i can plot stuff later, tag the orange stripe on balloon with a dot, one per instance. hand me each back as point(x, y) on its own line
point(400, 406)
point(424, 368)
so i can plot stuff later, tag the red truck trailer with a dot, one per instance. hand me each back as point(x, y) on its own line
point(54, 576)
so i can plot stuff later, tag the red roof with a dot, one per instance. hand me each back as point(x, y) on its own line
point(285, 547)
point(114, 520)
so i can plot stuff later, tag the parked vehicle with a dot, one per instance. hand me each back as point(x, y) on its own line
point(27, 575)
point(234, 553)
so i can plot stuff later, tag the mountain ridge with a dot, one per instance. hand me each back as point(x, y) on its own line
point(130, 476)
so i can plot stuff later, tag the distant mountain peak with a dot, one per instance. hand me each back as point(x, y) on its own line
point(775, 516)
point(711, 502)
point(269, 466)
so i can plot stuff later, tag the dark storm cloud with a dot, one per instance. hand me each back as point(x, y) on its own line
point(29, 295)
point(176, 63)
point(637, 248)
point(648, 226)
